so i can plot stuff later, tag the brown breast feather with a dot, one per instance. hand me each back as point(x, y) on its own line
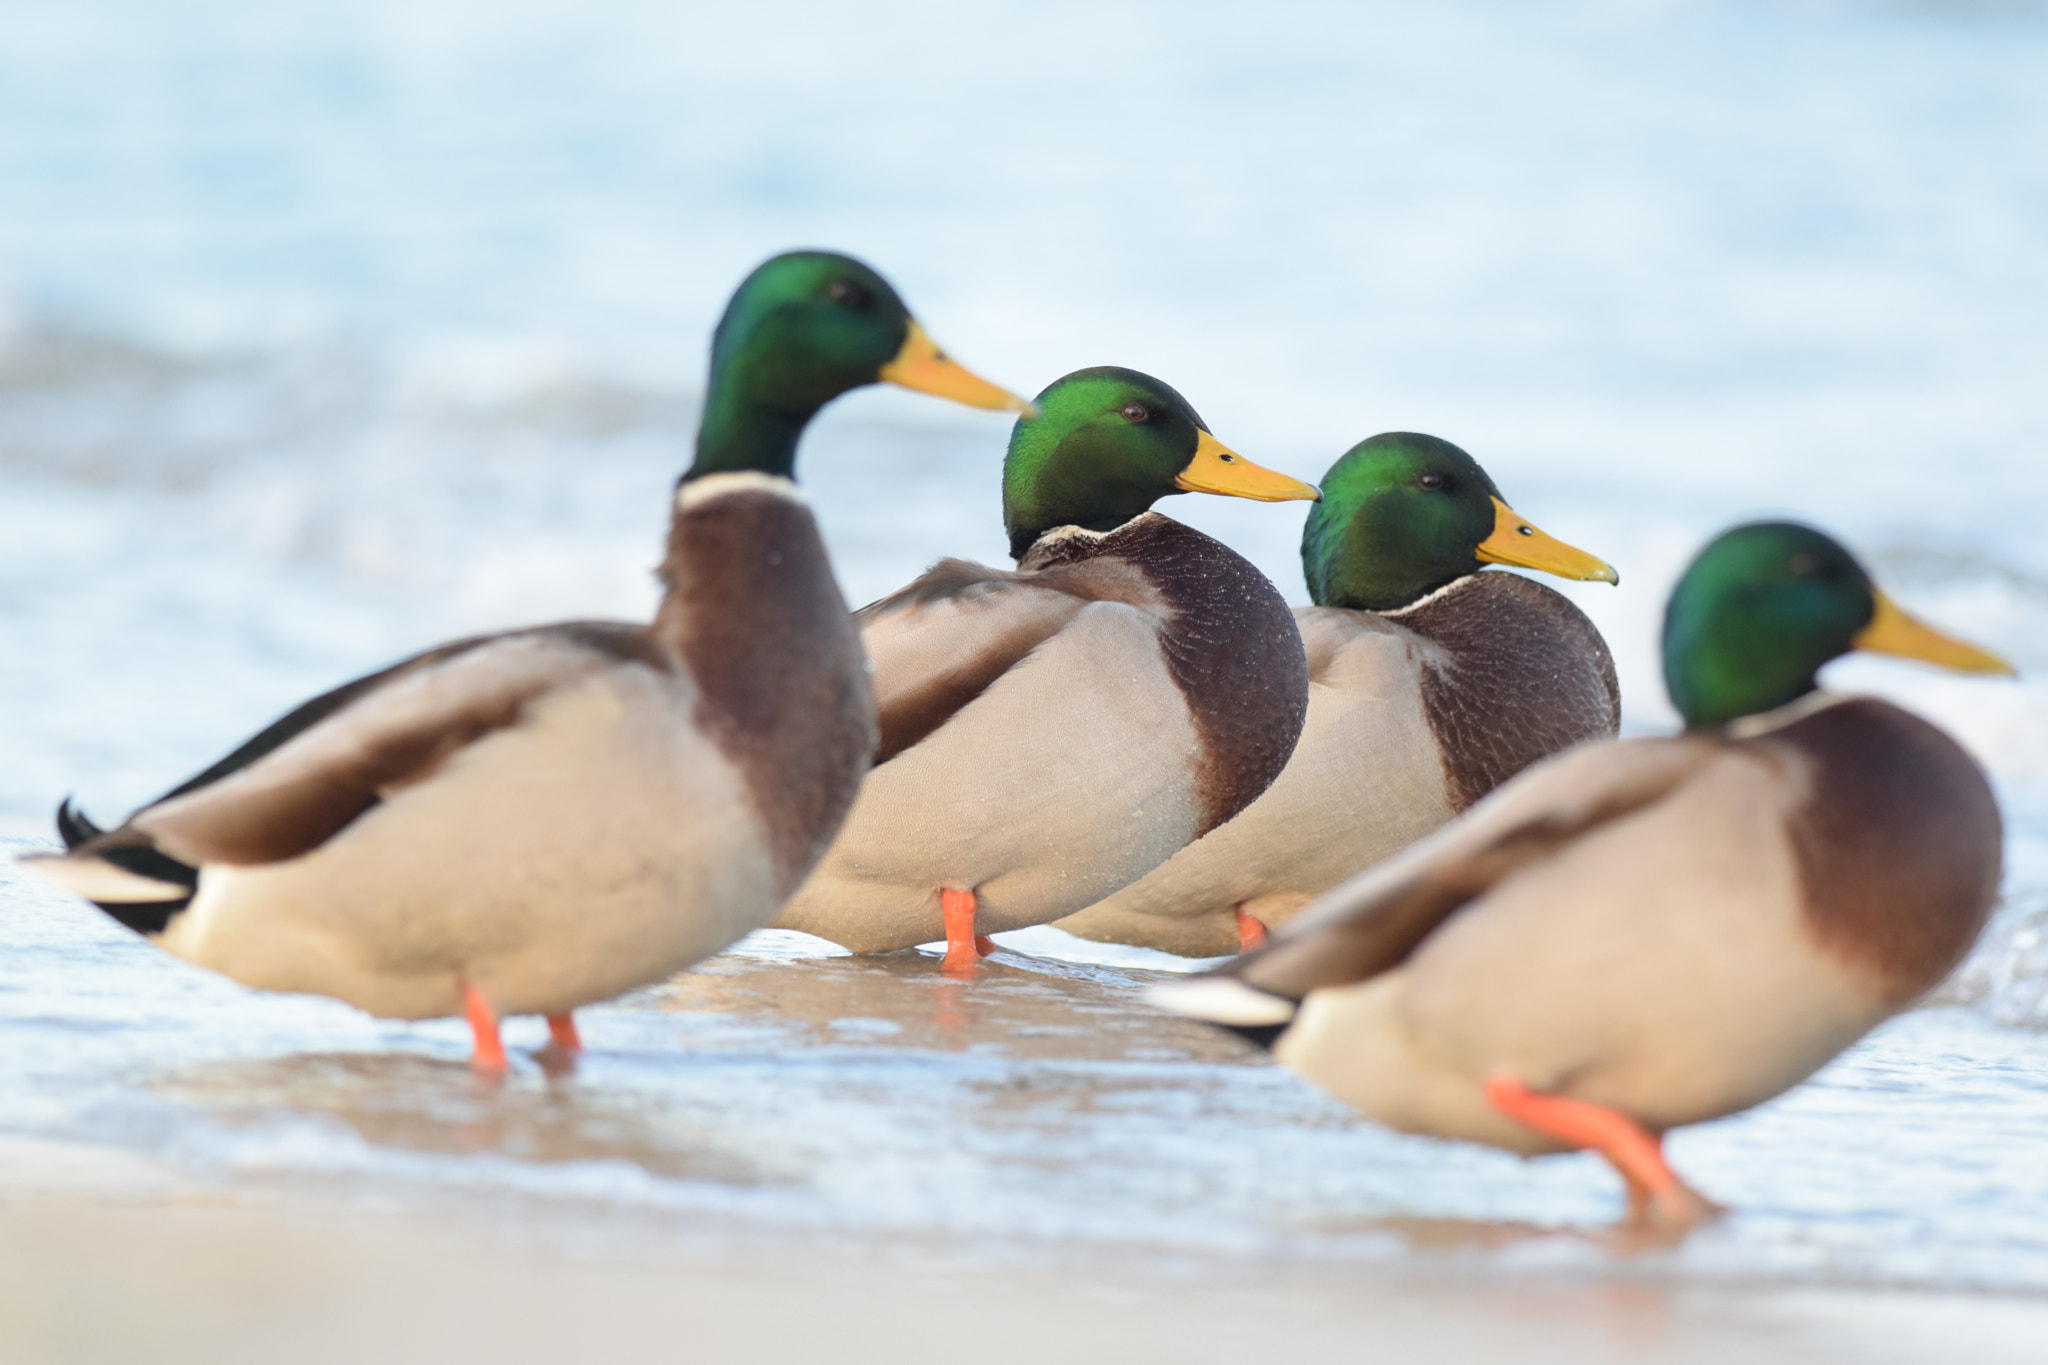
point(755, 614)
point(1525, 675)
point(1233, 650)
point(1898, 841)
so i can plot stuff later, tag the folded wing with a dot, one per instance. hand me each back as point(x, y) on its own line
point(1371, 923)
point(944, 639)
point(304, 778)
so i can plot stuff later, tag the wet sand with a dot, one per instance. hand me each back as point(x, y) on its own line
point(86, 1280)
point(784, 1155)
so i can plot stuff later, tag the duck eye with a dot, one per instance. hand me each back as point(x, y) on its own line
point(1136, 412)
point(1431, 481)
point(1803, 565)
point(846, 292)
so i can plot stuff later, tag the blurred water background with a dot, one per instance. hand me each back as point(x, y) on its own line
point(331, 330)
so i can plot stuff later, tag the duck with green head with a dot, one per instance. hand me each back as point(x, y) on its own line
point(1052, 732)
point(1430, 683)
point(1646, 933)
point(532, 821)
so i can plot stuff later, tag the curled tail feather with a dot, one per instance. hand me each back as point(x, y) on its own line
point(132, 881)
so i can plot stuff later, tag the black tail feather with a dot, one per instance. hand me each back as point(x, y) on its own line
point(77, 829)
point(74, 826)
point(1260, 1036)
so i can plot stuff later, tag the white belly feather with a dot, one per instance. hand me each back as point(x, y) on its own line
point(600, 844)
point(1070, 776)
point(1365, 780)
point(1660, 967)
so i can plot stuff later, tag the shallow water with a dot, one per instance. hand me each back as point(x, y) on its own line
point(333, 336)
point(1035, 1114)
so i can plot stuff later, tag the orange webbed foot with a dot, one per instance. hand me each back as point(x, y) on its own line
point(1660, 1203)
point(1670, 1213)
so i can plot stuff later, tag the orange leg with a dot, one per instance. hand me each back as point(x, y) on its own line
point(483, 1022)
point(1251, 933)
point(1656, 1196)
point(562, 1029)
point(964, 947)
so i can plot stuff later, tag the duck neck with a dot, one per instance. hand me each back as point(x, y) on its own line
point(1713, 693)
point(1026, 533)
point(1361, 572)
point(1038, 501)
point(742, 431)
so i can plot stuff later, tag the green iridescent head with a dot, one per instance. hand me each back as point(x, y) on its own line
point(1404, 514)
point(802, 329)
point(1765, 606)
point(1106, 444)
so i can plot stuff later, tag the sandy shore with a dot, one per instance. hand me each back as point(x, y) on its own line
point(85, 1280)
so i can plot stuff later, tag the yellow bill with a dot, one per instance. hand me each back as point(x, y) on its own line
point(1516, 541)
point(922, 366)
point(1217, 468)
point(1892, 631)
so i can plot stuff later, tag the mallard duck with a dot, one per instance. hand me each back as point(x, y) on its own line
point(537, 820)
point(1051, 733)
point(1430, 683)
point(1645, 933)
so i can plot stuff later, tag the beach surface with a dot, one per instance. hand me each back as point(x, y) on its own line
point(86, 1281)
point(789, 1151)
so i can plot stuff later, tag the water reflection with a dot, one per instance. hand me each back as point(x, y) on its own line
point(1015, 1006)
point(407, 1103)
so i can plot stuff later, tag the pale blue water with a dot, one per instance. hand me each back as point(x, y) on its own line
point(329, 331)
